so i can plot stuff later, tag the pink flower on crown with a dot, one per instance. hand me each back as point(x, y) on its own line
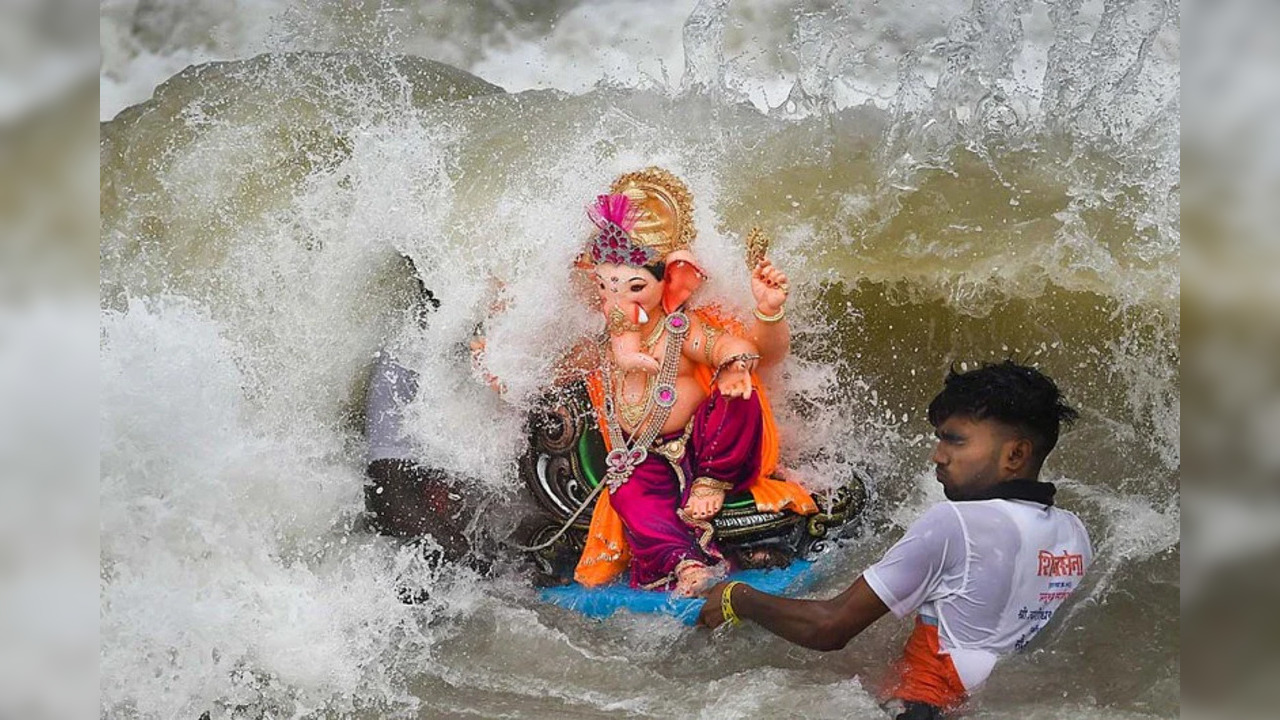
point(615, 216)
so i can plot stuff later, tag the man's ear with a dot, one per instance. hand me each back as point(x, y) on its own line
point(1018, 454)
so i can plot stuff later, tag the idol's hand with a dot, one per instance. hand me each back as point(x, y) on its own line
point(477, 346)
point(770, 287)
point(734, 379)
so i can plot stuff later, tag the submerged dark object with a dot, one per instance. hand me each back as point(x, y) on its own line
point(566, 463)
point(409, 501)
point(402, 497)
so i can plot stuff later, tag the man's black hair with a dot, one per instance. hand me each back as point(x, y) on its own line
point(1016, 395)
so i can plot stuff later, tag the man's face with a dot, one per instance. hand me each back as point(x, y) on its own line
point(971, 455)
point(625, 286)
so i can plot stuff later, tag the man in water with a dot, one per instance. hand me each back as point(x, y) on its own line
point(404, 498)
point(984, 571)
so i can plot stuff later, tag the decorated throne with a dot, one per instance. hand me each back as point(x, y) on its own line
point(566, 462)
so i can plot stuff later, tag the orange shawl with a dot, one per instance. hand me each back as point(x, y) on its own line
point(606, 554)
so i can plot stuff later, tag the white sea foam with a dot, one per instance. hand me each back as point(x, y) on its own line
point(227, 570)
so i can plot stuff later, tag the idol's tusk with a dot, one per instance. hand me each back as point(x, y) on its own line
point(644, 316)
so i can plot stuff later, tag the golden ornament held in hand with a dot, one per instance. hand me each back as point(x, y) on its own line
point(757, 247)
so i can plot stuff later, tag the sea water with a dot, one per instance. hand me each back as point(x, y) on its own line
point(946, 183)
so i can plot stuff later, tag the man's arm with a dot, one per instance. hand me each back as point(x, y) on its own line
point(815, 624)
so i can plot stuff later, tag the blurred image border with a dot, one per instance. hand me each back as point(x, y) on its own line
point(1231, 375)
point(48, 359)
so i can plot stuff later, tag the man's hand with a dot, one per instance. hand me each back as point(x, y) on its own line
point(769, 286)
point(710, 616)
point(816, 624)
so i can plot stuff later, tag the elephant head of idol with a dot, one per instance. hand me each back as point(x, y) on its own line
point(639, 257)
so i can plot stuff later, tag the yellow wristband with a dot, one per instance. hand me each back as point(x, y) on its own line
point(726, 604)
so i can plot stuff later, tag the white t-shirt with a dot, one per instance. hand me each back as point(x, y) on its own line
point(392, 386)
point(989, 573)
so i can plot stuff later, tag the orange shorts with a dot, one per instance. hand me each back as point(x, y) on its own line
point(926, 674)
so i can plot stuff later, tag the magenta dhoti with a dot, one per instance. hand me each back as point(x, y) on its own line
point(724, 445)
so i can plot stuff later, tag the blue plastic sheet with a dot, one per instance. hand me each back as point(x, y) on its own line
point(604, 601)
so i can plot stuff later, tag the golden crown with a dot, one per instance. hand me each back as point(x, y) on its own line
point(665, 209)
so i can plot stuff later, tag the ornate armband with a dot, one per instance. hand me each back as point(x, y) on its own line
point(712, 336)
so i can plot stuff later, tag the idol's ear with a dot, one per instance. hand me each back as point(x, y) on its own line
point(682, 277)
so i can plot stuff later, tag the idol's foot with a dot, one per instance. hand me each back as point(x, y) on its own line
point(704, 502)
point(695, 581)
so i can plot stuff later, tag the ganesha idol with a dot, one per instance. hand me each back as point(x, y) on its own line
point(683, 416)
